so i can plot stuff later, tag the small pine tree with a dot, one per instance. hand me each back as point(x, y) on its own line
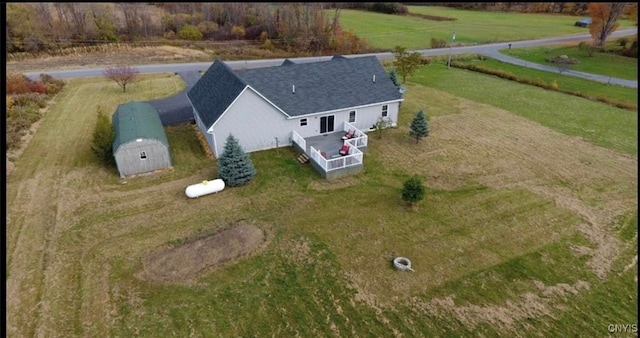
point(103, 137)
point(413, 191)
point(419, 127)
point(393, 75)
point(234, 165)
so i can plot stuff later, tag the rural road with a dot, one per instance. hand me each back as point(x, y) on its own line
point(176, 109)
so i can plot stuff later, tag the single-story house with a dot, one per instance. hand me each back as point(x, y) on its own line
point(294, 104)
point(140, 143)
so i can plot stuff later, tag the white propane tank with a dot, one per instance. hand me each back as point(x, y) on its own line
point(204, 188)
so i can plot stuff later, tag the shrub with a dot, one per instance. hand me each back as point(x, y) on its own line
point(622, 42)
point(27, 99)
point(388, 8)
point(190, 32)
point(37, 87)
point(52, 85)
point(554, 85)
point(17, 83)
point(438, 43)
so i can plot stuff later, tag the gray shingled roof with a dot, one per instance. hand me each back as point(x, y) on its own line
point(319, 86)
point(215, 91)
point(135, 120)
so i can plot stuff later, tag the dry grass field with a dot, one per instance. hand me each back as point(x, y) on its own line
point(520, 229)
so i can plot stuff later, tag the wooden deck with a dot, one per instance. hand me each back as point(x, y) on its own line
point(329, 143)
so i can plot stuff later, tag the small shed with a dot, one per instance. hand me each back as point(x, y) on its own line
point(140, 143)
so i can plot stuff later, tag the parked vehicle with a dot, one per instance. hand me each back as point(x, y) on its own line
point(583, 22)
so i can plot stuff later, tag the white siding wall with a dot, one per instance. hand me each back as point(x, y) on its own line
point(203, 130)
point(256, 123)
point(368, 116)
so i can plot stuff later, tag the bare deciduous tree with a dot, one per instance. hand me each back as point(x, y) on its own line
point(122, 75)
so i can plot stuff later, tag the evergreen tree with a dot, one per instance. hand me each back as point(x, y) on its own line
point(419, 127)
point(234, 165)
point(103, 137)
point(393, 75)
point(413, 191)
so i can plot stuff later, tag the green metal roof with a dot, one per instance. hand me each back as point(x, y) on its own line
point(137, 120)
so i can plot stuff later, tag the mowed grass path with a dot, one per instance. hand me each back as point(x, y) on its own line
point(492, 243)
point(384, 31)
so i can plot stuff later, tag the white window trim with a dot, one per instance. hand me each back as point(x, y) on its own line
point(306, 122)
point(355, 114)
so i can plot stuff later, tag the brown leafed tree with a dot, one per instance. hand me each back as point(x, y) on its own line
point(604, 20)
point(122, 75)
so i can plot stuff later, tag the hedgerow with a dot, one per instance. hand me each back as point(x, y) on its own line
point(24, 100)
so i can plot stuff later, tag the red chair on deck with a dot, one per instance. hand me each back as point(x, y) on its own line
point(350, 134)
point(344, 150)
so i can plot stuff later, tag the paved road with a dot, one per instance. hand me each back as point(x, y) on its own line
point(176, 109)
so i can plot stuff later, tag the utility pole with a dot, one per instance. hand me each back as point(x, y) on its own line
point(453, 39)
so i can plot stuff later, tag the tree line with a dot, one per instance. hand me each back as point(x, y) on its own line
point(303, 27)
point(312, 28)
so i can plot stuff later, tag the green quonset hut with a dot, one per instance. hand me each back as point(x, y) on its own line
point(140, 143)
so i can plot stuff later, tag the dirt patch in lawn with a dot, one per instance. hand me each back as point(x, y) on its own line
point(188, 261)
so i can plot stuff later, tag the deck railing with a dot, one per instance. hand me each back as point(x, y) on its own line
point(299, 140)
point(359, 140)
point(353, 158)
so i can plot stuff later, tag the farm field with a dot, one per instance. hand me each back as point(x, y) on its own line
point(528, 227)
point(471, 27)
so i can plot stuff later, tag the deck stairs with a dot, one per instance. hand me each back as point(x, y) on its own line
point(303, 159)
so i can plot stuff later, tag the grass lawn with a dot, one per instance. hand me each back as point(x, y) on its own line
point(384, 31)
point(607, 64)
point(570, 83)
point(525, 229)
point(599, 123)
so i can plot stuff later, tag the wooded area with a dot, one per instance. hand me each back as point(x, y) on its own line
point(311, 28)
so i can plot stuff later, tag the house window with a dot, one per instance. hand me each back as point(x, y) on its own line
point(385, 110)
point(143, 155)
point(352, 116)
point(303, 122)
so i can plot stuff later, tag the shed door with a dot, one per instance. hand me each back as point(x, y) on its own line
point(326, 124)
